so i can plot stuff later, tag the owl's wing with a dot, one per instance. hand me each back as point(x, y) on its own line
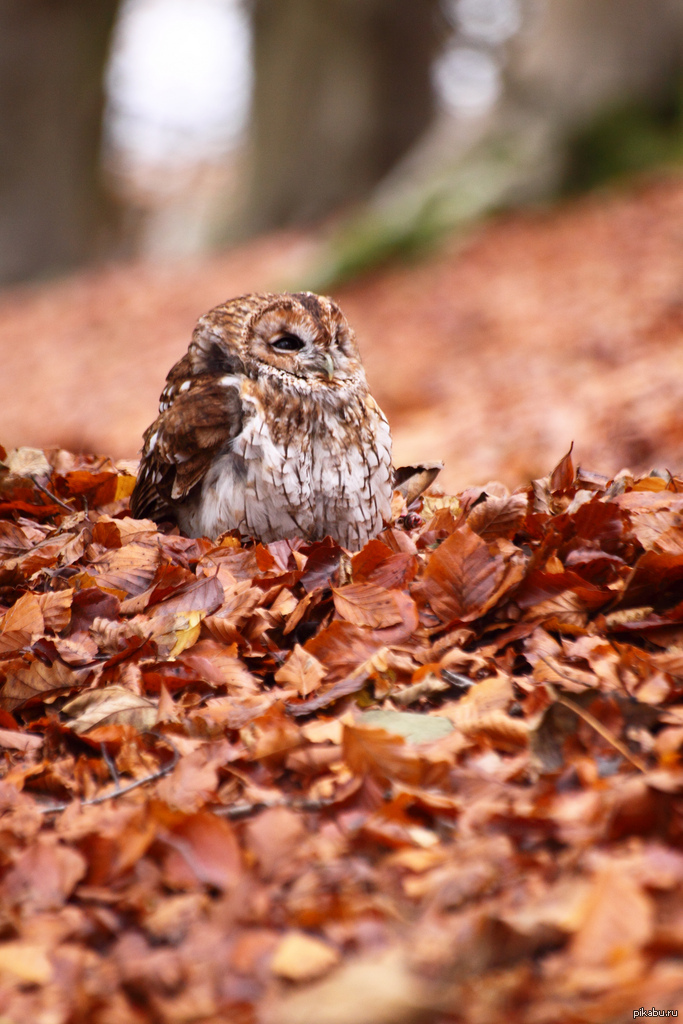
point(199, 419)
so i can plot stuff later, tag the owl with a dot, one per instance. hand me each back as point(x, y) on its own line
point(266, 426)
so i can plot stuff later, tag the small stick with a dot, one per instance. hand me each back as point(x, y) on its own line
point(109, 761)
point(590, 719)
point(235, 812)
point(53, 497)
point(121, 790)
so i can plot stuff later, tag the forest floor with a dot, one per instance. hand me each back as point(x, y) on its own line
point(493, 354)
point(436, 781)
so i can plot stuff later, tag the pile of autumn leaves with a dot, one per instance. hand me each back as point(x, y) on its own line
point(439, 777)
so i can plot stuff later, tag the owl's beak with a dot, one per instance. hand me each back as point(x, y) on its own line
point(329, 365)
point(322, 362)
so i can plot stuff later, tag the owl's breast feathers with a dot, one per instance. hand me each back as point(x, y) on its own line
point(230, 452)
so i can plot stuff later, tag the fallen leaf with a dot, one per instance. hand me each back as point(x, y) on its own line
point(302, 671)
point(112, 705)
point(412, 727)
point(26, 961)
point(366, 604)
point(43, 876)
point(25, 616)
point(618, 920)
point(463, 577)
point(202, 850)
point(128, 570)
point(12, 739)
point(300, 957)
point(28, 677)
point(498, 517)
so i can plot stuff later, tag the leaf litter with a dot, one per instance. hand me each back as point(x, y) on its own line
point(437, 779)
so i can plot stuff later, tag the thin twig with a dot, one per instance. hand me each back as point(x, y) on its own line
point(121, 790)
point(53, 497)
point(109, 761)
point(235, 812)
point(590, 719)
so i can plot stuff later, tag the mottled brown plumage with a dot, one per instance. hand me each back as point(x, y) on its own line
point(266, 426)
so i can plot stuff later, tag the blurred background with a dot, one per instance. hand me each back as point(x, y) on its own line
point(492, 190)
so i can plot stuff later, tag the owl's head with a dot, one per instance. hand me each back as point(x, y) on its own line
point(299, 338)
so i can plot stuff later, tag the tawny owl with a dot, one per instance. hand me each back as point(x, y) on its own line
point(267, 426)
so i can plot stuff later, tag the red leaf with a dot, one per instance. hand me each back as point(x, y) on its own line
point(562, 477)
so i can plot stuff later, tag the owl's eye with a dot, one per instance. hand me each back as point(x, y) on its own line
point(287, 343)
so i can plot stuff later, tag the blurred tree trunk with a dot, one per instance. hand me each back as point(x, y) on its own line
point(572, 61)
point(578, 57)
point(342, 90)
point(52, 58)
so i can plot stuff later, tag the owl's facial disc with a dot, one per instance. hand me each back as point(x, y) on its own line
point(312, 359)
point(298, 344)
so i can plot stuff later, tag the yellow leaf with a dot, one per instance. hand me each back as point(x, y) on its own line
point(26, 961)
point(188, 628)
point(300, 957)
point(124, 486)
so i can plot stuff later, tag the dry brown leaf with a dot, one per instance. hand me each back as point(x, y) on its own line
point(43, 877)
point(24, 616)
point(618, 921)
point(43, 555)
point(562, 477)
point(377, 989)
point(271, 735)
point(239, 602)
point(13, 539)
point(194, 780)
point(114, 533)
point(112, 636)
point(113, 705)
point(482, 711)
point(56, 608)
point(302, 671)
point(386, 755)
point(15, 640)
point(465, 576)
point(203, 849)
point(78, 649)
point(498, 517)
point(128, 570)
point(562, 596)
point(366, 604)
point(558, 908)
point(28, 677)
point(341, 646)
point(275, 839)
point(13, 739)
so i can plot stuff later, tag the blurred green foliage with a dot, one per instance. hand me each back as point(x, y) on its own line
point(499, 173)
point(626, 140)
